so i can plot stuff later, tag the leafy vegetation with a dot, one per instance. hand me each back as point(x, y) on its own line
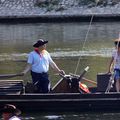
point(59, 5)
point(48, 4)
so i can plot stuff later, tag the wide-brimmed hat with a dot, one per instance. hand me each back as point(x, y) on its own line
point(9, 108)
point(40, 42)
point(117, 42)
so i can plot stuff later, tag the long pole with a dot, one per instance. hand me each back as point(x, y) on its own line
point(90, 81)
point(2, 76)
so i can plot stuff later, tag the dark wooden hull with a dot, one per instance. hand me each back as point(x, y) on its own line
point(65, 96)
point(64, 102)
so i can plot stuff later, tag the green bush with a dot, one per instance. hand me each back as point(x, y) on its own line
point(55, 4)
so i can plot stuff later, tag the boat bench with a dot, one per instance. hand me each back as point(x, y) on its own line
point(11, 87)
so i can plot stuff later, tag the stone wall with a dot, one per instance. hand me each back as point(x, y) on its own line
point(58, 7)
point(17, 3)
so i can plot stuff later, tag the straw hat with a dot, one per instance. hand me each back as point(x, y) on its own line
point(9, 108)
point(117, 40)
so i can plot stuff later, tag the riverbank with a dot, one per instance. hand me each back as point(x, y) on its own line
point(17, 11)
point(59, 18)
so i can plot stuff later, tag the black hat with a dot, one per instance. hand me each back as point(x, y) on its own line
point(9, 108)
point(39, 43)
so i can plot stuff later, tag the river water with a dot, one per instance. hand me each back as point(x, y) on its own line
point(72, 116)
point(67, 44)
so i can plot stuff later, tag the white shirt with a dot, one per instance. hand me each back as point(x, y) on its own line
point(40, 63)
point(116, 59)
point(14, 118)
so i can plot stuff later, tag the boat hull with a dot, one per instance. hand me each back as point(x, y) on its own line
point(63, 102)
point(66, 96)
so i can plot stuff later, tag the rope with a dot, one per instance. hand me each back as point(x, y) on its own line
point(86, 36)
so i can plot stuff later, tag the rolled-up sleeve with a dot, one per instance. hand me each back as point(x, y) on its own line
point(30, 59)
point(50, 59)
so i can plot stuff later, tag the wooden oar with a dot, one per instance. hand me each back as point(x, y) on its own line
point(90, 81)
point(10, 75)
point(80, 76)
point(85, 79)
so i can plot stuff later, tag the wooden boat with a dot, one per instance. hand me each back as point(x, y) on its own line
point(64, 96)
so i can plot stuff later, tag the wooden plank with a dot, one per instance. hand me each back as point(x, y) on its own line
point(11, 86)
point(61, 86)
point(11, 80)
point(63, 102)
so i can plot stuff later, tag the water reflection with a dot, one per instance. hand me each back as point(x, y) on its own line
point(65, 45)
point(64, 38)
point(74, 116)
point(63, 35)
point(71, 116)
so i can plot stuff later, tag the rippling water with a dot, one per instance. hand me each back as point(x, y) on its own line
point(71, 116)
point(74, 116)
point(66, 41)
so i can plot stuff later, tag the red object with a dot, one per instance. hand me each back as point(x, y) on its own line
point(37, 51)
point(84, 87)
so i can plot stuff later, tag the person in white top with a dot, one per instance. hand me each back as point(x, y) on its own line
point(115, 63)
point(10, 112)
point(38, 63)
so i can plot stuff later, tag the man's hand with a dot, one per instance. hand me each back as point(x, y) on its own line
point(62, 72)
point(21, 74)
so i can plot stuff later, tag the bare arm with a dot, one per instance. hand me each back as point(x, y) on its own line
point(27, 68)
point(56, 68)
point(110, 65)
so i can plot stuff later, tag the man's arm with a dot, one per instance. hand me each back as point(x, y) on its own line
point(27, 68)
point(56, 68)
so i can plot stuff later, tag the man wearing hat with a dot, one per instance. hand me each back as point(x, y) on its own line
point(10, 112)
point(115, 61)
point(38, 62)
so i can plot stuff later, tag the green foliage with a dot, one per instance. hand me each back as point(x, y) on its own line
point(56, 4)
point(98, 2)
point(85, 2)
point(48, 4)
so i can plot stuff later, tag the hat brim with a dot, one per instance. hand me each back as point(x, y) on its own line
point(38, 44)
point(117, 40)
point(16, 111)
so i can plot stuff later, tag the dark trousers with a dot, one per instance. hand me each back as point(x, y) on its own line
point(41, 81)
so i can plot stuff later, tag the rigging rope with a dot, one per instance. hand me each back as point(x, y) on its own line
point(86, 36)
